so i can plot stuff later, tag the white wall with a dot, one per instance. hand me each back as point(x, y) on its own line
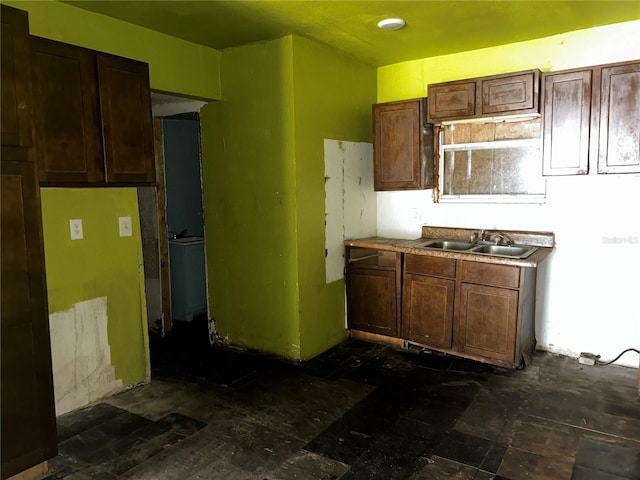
point(589, 287)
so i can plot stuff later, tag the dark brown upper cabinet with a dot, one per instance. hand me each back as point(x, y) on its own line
point(619, 140)
point(16, 79)
point(592, 113)
point(452, 100)
point(69, 140)
point(125, 106)
point(496, 95)
point(403, 146)
point(567, 100)
point(92, 115)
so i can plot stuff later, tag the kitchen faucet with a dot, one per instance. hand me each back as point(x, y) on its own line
point(478, 238)
point(502, 239)
point(483, 239)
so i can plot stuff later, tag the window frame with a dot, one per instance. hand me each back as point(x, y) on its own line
point(517, 198)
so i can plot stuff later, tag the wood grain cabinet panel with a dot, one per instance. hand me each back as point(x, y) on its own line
point(92, 115)
point(487, 320)
point(491, 274)
point(427, 310)
point(427, 300)
point(479, 310)
point(372, 300)
point(27, 408)
point(452, 100)
point(403, 147)
point(427, 265)
point(15, 85)
point(566, 98)
point(28, 421)
point(496, 95)
point(125, 106)
point(619, 143)
point(69, 140)
point(511, 94)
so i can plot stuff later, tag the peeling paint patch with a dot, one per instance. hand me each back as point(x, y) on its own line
point(350, 202)
point(81, 355)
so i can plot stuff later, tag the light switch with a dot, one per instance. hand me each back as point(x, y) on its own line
point(75, 227)
point(125, 226)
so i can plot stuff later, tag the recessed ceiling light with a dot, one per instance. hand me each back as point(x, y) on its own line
point(391, 24)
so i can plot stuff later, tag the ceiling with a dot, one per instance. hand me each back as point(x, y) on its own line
point(433, 27)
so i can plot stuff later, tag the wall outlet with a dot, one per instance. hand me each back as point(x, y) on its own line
point(125, 226)
point(75, 229)
point(587, 358)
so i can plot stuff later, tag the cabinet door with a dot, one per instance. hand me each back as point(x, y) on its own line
point(69, 143)
point(487, 320)
point(511, 94)
point(371, 300)
point(398, 161)
point(125, 106)
point(15, 86)
point(619, 148)
point(427, 310)
point(28, 421)
point(567, 119)
point(449, 101)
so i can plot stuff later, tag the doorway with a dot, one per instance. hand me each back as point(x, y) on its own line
point(172, 218)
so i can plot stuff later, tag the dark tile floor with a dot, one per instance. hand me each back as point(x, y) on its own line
point(359, 411)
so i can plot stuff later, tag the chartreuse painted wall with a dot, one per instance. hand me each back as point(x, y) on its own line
point(175, 65)
point(263, 177)
point(249, 200)
point(595, 218)
point(609, 44)
point(101, 264)
point(333, 94)
point(102, 269)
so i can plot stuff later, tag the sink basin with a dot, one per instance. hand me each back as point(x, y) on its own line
point(504, 250)
point(448, 245)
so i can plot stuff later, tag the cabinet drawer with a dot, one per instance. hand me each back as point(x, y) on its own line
point(358, 257)
point(427, 265)
point(490, 274)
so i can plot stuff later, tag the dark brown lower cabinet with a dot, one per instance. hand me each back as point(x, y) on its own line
point(487, 321)
point(483, 311)
point(372, 291)
point(495, 312)
point(427, 300)
point(28, 421)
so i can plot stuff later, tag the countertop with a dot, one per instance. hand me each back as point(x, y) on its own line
point(544, 241)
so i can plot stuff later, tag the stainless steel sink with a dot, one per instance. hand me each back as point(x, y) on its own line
point(512, 251)
point(448, 245)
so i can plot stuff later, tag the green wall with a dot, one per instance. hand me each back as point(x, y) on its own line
point(600, 45)
point(264, 191)
point(249, 200)
point(102, 264)
point(333, 97)
point(175, 66)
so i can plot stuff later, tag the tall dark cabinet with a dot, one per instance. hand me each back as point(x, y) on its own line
point(27, 409)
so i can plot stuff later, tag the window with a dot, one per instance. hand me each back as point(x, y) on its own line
point(497, 161)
